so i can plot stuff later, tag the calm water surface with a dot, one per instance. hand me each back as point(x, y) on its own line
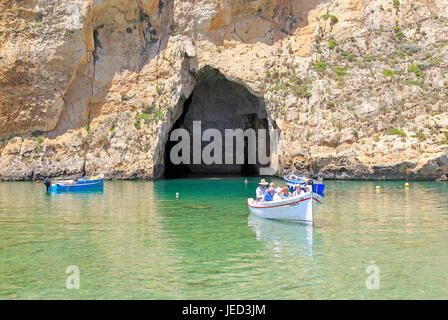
point(136, 241)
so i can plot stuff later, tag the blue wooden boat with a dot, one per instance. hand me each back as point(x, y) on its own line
point(293, 180)
point(83, 184)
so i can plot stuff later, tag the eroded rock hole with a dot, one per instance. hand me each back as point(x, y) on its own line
point(221, 104)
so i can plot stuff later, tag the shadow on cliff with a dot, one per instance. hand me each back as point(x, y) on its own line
point(117, 47)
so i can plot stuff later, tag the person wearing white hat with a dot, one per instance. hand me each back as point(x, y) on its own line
point(261, 190)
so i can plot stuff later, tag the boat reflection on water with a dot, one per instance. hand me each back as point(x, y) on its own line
point(75, 202)
point(75, 195)
point(283, 237)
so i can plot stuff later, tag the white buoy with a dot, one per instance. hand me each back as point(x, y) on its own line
point(378, 187)
point(177, 195)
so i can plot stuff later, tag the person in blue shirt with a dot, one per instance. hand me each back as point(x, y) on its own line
point(269, 195)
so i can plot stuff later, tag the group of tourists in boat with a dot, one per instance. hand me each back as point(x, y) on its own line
point(266, 194)
point(296, 201)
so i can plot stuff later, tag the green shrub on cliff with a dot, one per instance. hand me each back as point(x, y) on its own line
point(145, 117)
point(339, 71)
point(415, 68)
point(137, 122)
point(334, 19)
point(302, 91)
point(320, 66)
point(388, 73)
point(158, 115)
point(398, 33)
point(395, 131)
point(148, 108)
point(419, 135)
point(124, 97)
point(308, 136)
point(436, 62)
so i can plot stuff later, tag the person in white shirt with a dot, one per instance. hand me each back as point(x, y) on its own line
point(277, 194)
point(261, 190)
point(298, 191)
point(282, 193)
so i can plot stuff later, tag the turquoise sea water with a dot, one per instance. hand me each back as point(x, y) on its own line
point(137, 241)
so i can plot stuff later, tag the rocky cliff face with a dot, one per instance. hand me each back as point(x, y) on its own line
point(357, 89)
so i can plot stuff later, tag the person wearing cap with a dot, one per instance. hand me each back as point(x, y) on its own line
point(261, 190)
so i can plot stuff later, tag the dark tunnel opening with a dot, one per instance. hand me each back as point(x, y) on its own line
point(220, 104)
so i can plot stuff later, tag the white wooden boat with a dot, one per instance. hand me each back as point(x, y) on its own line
point(301, 208)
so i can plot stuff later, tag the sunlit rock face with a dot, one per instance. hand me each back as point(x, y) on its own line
point(356, 89)
point(245, 21)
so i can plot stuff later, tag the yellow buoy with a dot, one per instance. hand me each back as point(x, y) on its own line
point(377, 187)
point(406, 185)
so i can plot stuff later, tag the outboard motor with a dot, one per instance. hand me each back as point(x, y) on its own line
point(47, 183)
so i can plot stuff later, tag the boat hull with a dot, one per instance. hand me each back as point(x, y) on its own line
point(299, 209)
point(80, 186)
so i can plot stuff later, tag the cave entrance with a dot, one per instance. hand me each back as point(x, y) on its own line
point(221, 104)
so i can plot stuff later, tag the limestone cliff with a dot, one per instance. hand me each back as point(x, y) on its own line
point(357, 88)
